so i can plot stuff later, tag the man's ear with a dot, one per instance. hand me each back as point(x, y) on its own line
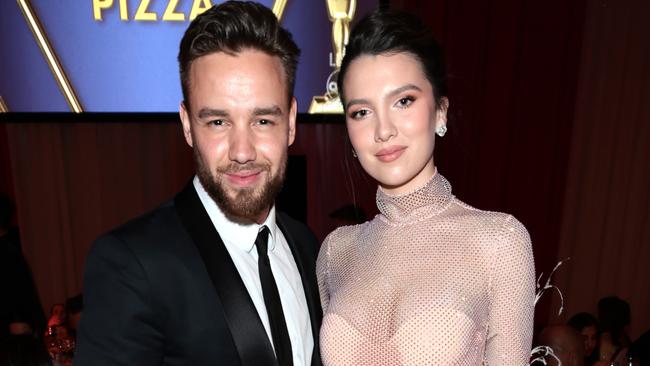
point(293, 111)
point(185, 121)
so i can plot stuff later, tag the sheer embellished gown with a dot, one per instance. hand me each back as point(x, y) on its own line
point(429, 281)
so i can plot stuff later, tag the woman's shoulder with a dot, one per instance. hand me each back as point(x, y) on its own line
point(339, 244)
point(344, 240)
point(344, 234)
point(494, 219)
point(490, 224)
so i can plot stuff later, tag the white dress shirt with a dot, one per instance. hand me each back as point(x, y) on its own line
point(240, 243)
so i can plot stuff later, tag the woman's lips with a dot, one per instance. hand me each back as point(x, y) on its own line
point(390, 153)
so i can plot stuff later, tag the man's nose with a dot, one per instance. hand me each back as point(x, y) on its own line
point(242, 145)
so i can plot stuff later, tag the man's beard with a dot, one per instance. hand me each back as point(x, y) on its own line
point(247, 204)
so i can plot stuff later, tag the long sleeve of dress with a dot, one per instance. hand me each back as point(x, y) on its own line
point(512, 294)
point(321, 273)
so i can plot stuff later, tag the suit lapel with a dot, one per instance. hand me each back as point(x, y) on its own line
point(307, 275)
point(247, 330)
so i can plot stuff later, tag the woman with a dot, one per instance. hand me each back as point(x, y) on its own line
point(614, 317)
point(587, 325)
point(58, 315)
point(430, 280)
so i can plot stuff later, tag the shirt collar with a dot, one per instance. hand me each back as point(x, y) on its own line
point(241, 236)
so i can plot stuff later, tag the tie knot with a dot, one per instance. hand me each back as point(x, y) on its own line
point(261, 242)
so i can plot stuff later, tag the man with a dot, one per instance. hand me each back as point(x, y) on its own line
point(73, 308)
point(567, 344)
point(21, 316)
point(218, 276)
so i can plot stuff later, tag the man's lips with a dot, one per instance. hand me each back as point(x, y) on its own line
point(244, 177)
point(390, 153)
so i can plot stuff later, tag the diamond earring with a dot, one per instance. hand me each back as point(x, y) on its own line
point(354, 153)
point(441, 131)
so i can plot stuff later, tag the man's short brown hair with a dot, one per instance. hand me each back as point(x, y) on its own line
point(234, 26)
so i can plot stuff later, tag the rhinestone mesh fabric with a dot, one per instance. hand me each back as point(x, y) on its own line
point(428, 281)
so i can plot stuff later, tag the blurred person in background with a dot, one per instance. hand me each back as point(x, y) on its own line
point(587, 325)
point(58, 315)
point(640, 349)
point(614, 317)
point(73, 306)
point(567, 345)
point(21, 315)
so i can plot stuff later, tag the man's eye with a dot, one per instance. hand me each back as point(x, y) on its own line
point(216, 122)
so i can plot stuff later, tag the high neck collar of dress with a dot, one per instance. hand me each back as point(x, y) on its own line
point(425, 201)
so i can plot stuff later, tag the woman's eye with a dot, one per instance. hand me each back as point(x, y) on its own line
point(405, 102)
point(359, 114)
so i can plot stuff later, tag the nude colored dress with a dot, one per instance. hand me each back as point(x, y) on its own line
point(428, 281)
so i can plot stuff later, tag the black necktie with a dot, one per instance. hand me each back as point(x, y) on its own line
point(279, 331)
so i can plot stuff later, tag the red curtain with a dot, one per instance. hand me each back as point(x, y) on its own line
point(74, 181)
point(6, 177)
point(606, 211)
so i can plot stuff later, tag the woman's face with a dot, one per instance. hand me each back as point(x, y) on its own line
point(58, 312)
point(590, 334)
point(391, 118)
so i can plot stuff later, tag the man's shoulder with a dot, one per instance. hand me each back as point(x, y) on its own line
point(149, 220)
point(157, 226)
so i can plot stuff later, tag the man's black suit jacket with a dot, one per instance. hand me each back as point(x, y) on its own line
point(162, 290)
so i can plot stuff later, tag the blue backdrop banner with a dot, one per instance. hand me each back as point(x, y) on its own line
point(120, 55)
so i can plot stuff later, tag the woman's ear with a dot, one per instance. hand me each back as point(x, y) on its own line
point(441, 113)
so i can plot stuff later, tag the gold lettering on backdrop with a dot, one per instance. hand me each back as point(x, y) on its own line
point(98, 5)
point(143, 14)
point(340, 13)
point(198, 7)
point(171, 14)
point(124, 14)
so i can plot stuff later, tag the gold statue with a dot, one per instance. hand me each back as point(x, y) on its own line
point(278, 8)
point(340, 13)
